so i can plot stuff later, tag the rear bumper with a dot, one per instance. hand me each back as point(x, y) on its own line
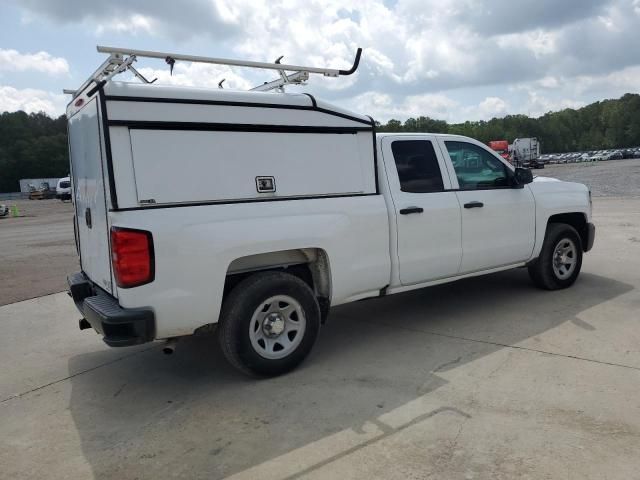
point(119, 327)
point(591, 236)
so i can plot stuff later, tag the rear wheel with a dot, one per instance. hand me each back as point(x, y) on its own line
point(560, 260)
point(269, 323)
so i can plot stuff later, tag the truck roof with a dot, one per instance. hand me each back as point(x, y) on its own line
point(409, 134)
point(200, 94)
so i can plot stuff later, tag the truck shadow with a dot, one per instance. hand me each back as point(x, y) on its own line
point(191, 415)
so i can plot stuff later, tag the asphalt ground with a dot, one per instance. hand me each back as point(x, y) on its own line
point(37, 250)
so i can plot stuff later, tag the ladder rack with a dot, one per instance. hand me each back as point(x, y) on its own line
point(122, 59)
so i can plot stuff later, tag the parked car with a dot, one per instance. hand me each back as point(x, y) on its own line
point(63, 189)
point(616, 155)
point(257, 212)
point(4, 210)
point(41, 192)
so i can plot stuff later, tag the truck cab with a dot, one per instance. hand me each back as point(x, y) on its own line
point(459, 206)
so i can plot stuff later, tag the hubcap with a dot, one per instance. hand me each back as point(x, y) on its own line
point(565, 258)
point(277, 327)
point(273, 325)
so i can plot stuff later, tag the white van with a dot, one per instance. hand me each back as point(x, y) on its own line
point(63, 189)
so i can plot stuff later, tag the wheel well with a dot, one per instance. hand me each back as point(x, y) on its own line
point(302, 271)
point(577, 220)
point(311, 265)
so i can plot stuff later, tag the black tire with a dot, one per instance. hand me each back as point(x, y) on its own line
point(542, 271)
point(236, 318)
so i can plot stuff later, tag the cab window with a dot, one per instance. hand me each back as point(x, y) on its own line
point(476, 168)
point(417, 166)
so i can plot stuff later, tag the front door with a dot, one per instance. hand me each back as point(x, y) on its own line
point(427, 216)
point(498, 220)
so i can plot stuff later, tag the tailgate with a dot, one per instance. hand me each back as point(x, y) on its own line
point(88, 172)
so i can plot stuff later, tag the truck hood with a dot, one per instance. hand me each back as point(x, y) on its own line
point(557, 196)
point(545, 179)
point(549, 184)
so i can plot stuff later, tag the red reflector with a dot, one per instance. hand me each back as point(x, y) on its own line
point(79, 102)
point(132, 256)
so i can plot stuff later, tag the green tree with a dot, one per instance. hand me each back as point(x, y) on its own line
point(31, 146)
point(606, 124)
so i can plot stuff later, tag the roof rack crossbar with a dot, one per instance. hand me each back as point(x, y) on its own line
point(328, 72)
point(121, 59)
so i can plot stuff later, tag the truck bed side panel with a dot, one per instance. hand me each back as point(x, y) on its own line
point(195, 245)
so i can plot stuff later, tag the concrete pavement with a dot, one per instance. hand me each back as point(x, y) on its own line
point(484, 378)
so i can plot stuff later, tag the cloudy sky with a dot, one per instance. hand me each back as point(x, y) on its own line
point(448, 59)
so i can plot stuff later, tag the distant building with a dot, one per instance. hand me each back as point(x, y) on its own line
point(25, 182)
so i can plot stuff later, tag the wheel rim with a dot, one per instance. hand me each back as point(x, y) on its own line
point(565, 258)
point(277, 327)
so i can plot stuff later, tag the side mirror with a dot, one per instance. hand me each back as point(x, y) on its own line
point(523, 176)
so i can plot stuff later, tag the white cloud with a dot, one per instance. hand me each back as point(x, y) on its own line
point(618, 82)
point(136, 24)
point(384, 107)
point(199, 74)
point(539, 104)
point(538, 42)
point(549, 82)
point(489, 108)
point(14, 61)
point(31, 101)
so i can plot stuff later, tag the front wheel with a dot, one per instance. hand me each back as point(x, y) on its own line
point(560, 260)
point(269, 323)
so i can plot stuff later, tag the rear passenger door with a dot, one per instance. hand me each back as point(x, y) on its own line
point(498, 219)
point(427, 216)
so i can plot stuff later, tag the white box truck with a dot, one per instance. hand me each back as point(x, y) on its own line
point(256, 212)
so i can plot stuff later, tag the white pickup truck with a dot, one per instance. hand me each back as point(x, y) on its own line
point(258, 211)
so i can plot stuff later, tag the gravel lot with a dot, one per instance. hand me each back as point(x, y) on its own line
point(615, 178)
point(37, 250)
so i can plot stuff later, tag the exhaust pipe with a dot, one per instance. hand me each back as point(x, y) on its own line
point(169, 346)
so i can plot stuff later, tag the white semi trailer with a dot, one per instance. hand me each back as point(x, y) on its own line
point(525, 152)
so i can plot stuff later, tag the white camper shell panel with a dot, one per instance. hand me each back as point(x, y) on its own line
point(186, 166)
point(174, 145)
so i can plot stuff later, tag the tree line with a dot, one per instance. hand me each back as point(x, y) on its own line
point(600, 125)
point(35, 145)
point(31, 146)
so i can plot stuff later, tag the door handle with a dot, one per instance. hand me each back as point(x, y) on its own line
point(87, 217)
point(474, 205)
point(408, 210)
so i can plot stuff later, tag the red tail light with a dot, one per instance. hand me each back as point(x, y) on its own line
point(132, 256)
